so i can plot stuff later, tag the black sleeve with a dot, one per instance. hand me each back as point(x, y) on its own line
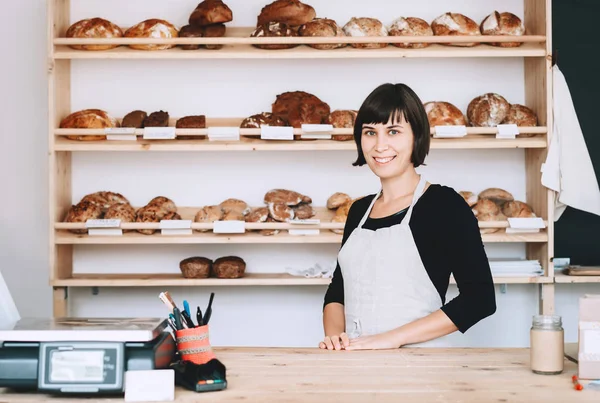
point(465, 253)
point(335, 290)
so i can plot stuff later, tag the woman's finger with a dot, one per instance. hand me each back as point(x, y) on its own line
point(336, 342)
point(328, 343)
point(322, 345)
point(345, 339)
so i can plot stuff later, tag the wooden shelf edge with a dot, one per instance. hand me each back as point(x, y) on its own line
point(250, 279)
point(561, 278)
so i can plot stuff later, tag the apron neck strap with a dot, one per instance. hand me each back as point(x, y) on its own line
point(417, 194)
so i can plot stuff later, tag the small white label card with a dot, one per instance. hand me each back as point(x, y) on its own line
point(105, 232)
point(105, 223)
point(526, 223)
point(277, 133)
point(591, 341)
point(313, 131)
point(229, 227)
point(507, 131)
point(159, 133)
point(156, 385)
point(175, 227)
point(120, 133)
point(450, 131)
point(304, 231)
point(224, 133)
point(311, 221)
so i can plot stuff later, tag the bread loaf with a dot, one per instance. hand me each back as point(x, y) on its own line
point(281, 212)
point(105, 199)
point(134, 119)
point(503, 24)
point(342, 119)
point(269, 232)
point(485, 207)
point(273, 29)
point(322, 27)
point(210, 12)
point(521, 116)
point(490, 217)
point(235, 205)
point(208, 215)
point(191, 122)
point(517, 209)
point(344, 209)
point(88, 119)
point(172, 216)
point(303, 211)
point(337, 199)
point(123, 212)
point(213, 31)
point(443, 113)
point(157, 119)
point(233, 215)
point(365, 26)
point(410, 26)
point(229, 267)
point(455, 24)
point(81, 212)
point(285, 196)
point(290, 12)
point(338, 219)
point(150, 214)
point(152, 28)
point(96, 28)
point(196, 267)
point(470, 197)
point(497, 195)
point(298, 107)
point(487, 110)
point(259, 214)
point(262, 119)
point(164, 203)
point(191, 31)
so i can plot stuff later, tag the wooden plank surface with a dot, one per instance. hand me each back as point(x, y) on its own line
point(403, 375)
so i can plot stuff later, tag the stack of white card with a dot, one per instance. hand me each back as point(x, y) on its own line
point(516, 268)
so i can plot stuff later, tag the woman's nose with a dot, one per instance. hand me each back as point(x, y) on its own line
point(381, 144)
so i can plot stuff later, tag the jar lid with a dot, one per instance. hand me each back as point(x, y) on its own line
point(547, 320)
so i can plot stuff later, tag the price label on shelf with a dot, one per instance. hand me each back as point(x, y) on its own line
point(526, 223)
point(159, 133)
point(120, 133)
point(304, 232)
point(312, 131)
point(105, 232)
point(229, 227)
point(276, 133)
point(224, 133)
point(175, 224)
point(450, 131)
point(508, 131)
point(105, 223)
point(306, 221)
point(176, 231)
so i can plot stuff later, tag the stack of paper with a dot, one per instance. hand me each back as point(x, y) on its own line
point(516, 268)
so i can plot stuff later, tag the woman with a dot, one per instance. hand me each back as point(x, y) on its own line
point(401, 245)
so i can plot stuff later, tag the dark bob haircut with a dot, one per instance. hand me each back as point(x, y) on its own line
point(392, 101)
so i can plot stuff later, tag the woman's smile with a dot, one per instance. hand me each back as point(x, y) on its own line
point(384, 160)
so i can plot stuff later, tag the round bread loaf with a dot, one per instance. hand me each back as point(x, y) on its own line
point(149, 213)
point(497, 195)
point(196, 267)
point(274, 29)
point(485, 207)
point(338, 219)
point(518, 209)
point(470, 197)
point(208, 214)
point(290, 12)
point(262, 119)
point(259, 214)
point(322, 27)
point(410, 26)
point(337, 199)
point(487, 110)
point(88, 119)
point(164, 203)
point(281, 212)
point(172, 216)
point(105, 199)
point(123, 212)
point(81, 212)
point(443, 113)
point(152, 28)
point(298, 107)
point(285, 196)
point(490, 217)
point(235, 205)
point(229, 267)
point(157, 119)
point(365, 26)
point(97, 28)
point(269, 232)
point(213, 31)
point(455, 24)
point(191, 31)
point(520, 115)
point(344, 209)
point(210, 12)
point(134, 119)
point(343, 119)
point(303, 211)
point(503, 24)
point(233, 215)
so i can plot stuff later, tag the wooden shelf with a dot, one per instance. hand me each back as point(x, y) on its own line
point(244, 51)
point(250, 279)
point(561, 278)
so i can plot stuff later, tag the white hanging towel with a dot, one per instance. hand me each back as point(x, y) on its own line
point(9, 314)
point(568, 169)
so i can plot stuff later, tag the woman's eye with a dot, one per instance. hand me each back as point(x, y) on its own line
point(369, 133)
point(394, 132)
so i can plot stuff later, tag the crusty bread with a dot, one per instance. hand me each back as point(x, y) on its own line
point(281, 212)
point(342, 119)
point(441, 113)
point(164, 203)
point(338, 219)
point(233, 215)
point(518, 209)
point(503, 24)
point(274, 29)
point(487, 110)
point(285, 196)
point(344, 209)
point(123, 212)
point(455, 24)
point(290, 12)
point(191, 31)
point(365, 26)
point(337, 199)
point(191, 122)
point(322, 27)
point(497, 195)
point(259, 214)
point(81, 212)
point(485, 207)
point(134, 119)
point(235, 205)
point(105, 199)
point(269, 232)
point(262, 119)
point(196, 267)
point(96, 28)
point(210, 12)
point(470, 197)
point(521, 116)
point(152, 28)
point(157, 119)
point(88, 119)
point(149, 214)
point(298, 107)
point(410, 26)
point(229, 267)
point(208, 214)
point(303, 211)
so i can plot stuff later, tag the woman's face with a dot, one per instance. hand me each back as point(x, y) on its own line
point(388, 147)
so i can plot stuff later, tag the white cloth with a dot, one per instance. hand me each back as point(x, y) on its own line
point(385, 283)
point(568, 169)
point(9, 314)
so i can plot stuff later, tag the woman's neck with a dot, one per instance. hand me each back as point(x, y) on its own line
point(399, 186)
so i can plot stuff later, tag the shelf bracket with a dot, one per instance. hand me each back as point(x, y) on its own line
point(503, 288)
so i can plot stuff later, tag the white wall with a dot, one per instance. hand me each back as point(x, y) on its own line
point(276, 316)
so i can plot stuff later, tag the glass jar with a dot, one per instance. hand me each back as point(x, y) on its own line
point(547, 345)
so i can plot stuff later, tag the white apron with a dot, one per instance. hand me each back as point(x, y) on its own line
point(385, 282)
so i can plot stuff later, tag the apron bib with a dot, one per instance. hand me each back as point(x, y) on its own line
point(385, 283)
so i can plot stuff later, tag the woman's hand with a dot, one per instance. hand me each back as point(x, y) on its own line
point(340, 342)
point(380, 341)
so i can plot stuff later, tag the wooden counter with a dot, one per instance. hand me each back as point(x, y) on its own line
point(404, 375)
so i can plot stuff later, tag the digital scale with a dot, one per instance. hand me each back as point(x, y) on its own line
point(82, 355)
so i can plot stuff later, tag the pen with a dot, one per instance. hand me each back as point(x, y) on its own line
point(199, 316)
point(187, 319)
point(172, 324)
point(209, 309)
point(177, 315)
